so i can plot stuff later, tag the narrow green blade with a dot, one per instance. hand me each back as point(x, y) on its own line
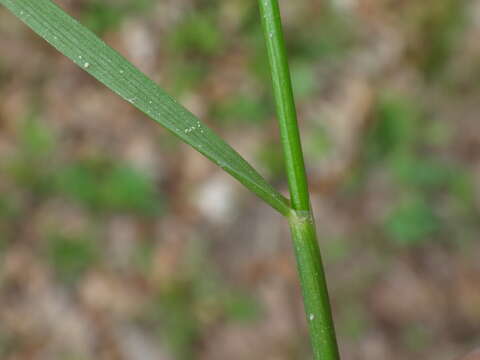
point(90, 53)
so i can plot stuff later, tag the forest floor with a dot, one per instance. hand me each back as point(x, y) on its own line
point(119, 243)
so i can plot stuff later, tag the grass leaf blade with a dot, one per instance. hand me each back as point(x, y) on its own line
point(109, 67)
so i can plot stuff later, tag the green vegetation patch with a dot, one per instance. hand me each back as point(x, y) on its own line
point(106, 186)
point(71, 255)
point(102, 16)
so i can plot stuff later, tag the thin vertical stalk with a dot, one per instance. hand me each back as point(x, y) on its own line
point(314, 287)
point(285, 104)
point(302, 225)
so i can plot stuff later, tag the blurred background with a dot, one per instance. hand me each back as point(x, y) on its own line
point(117, 242)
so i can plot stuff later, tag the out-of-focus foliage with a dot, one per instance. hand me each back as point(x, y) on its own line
point(403, 140)
point(71, 255)
point(105, 186)
point(103, 16)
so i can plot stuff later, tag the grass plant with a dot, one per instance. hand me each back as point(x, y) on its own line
point(90, 53)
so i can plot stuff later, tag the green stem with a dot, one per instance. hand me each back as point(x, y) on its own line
point(302, 226)
point(287, 114)
point(314, 287)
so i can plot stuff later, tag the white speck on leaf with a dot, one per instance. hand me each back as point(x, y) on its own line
point(311, 317)
point(86, 65)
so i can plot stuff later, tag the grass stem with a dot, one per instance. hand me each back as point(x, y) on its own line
point(314, 287)
point(285, 104)
point(302, 225)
